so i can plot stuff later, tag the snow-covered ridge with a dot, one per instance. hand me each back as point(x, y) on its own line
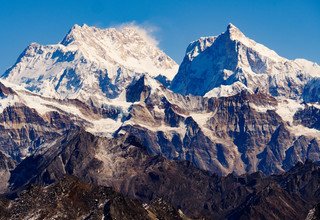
point(94, 123)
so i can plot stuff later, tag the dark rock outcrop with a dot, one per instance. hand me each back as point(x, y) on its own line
point(308, 117)
point(136, 89)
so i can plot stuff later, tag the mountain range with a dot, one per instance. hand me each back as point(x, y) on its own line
point(222, 135)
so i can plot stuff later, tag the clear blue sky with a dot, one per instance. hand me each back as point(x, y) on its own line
point(290, 27)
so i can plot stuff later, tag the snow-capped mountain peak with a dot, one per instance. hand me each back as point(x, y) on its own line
point(90, 60)
point(129, 46)
point(217, 63)
point(234, 32)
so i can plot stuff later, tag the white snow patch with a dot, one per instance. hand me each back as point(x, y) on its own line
point(8, 101)
point(227, 90)
point(105, 127)
point(261, 108)
point(287, 108)
point(299, 130)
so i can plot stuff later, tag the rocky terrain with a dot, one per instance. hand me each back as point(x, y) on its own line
point(6, 165)
point(72, 199)
point(234, 133)
point(197, 194)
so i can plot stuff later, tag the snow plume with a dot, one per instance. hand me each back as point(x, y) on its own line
point(146, 31)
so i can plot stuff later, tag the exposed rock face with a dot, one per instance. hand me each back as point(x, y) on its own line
point(308, 117)
point(241, 133)
point(311, 90)
point(28, 121)
point(129, 168)
point(221, 135)
point(131, 164)
point(136, 89)
point(23, 130)
point(70, 198)
point(5, 91)
point(6, 165)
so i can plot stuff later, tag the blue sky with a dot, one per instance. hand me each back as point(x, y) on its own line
point(290, 27)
